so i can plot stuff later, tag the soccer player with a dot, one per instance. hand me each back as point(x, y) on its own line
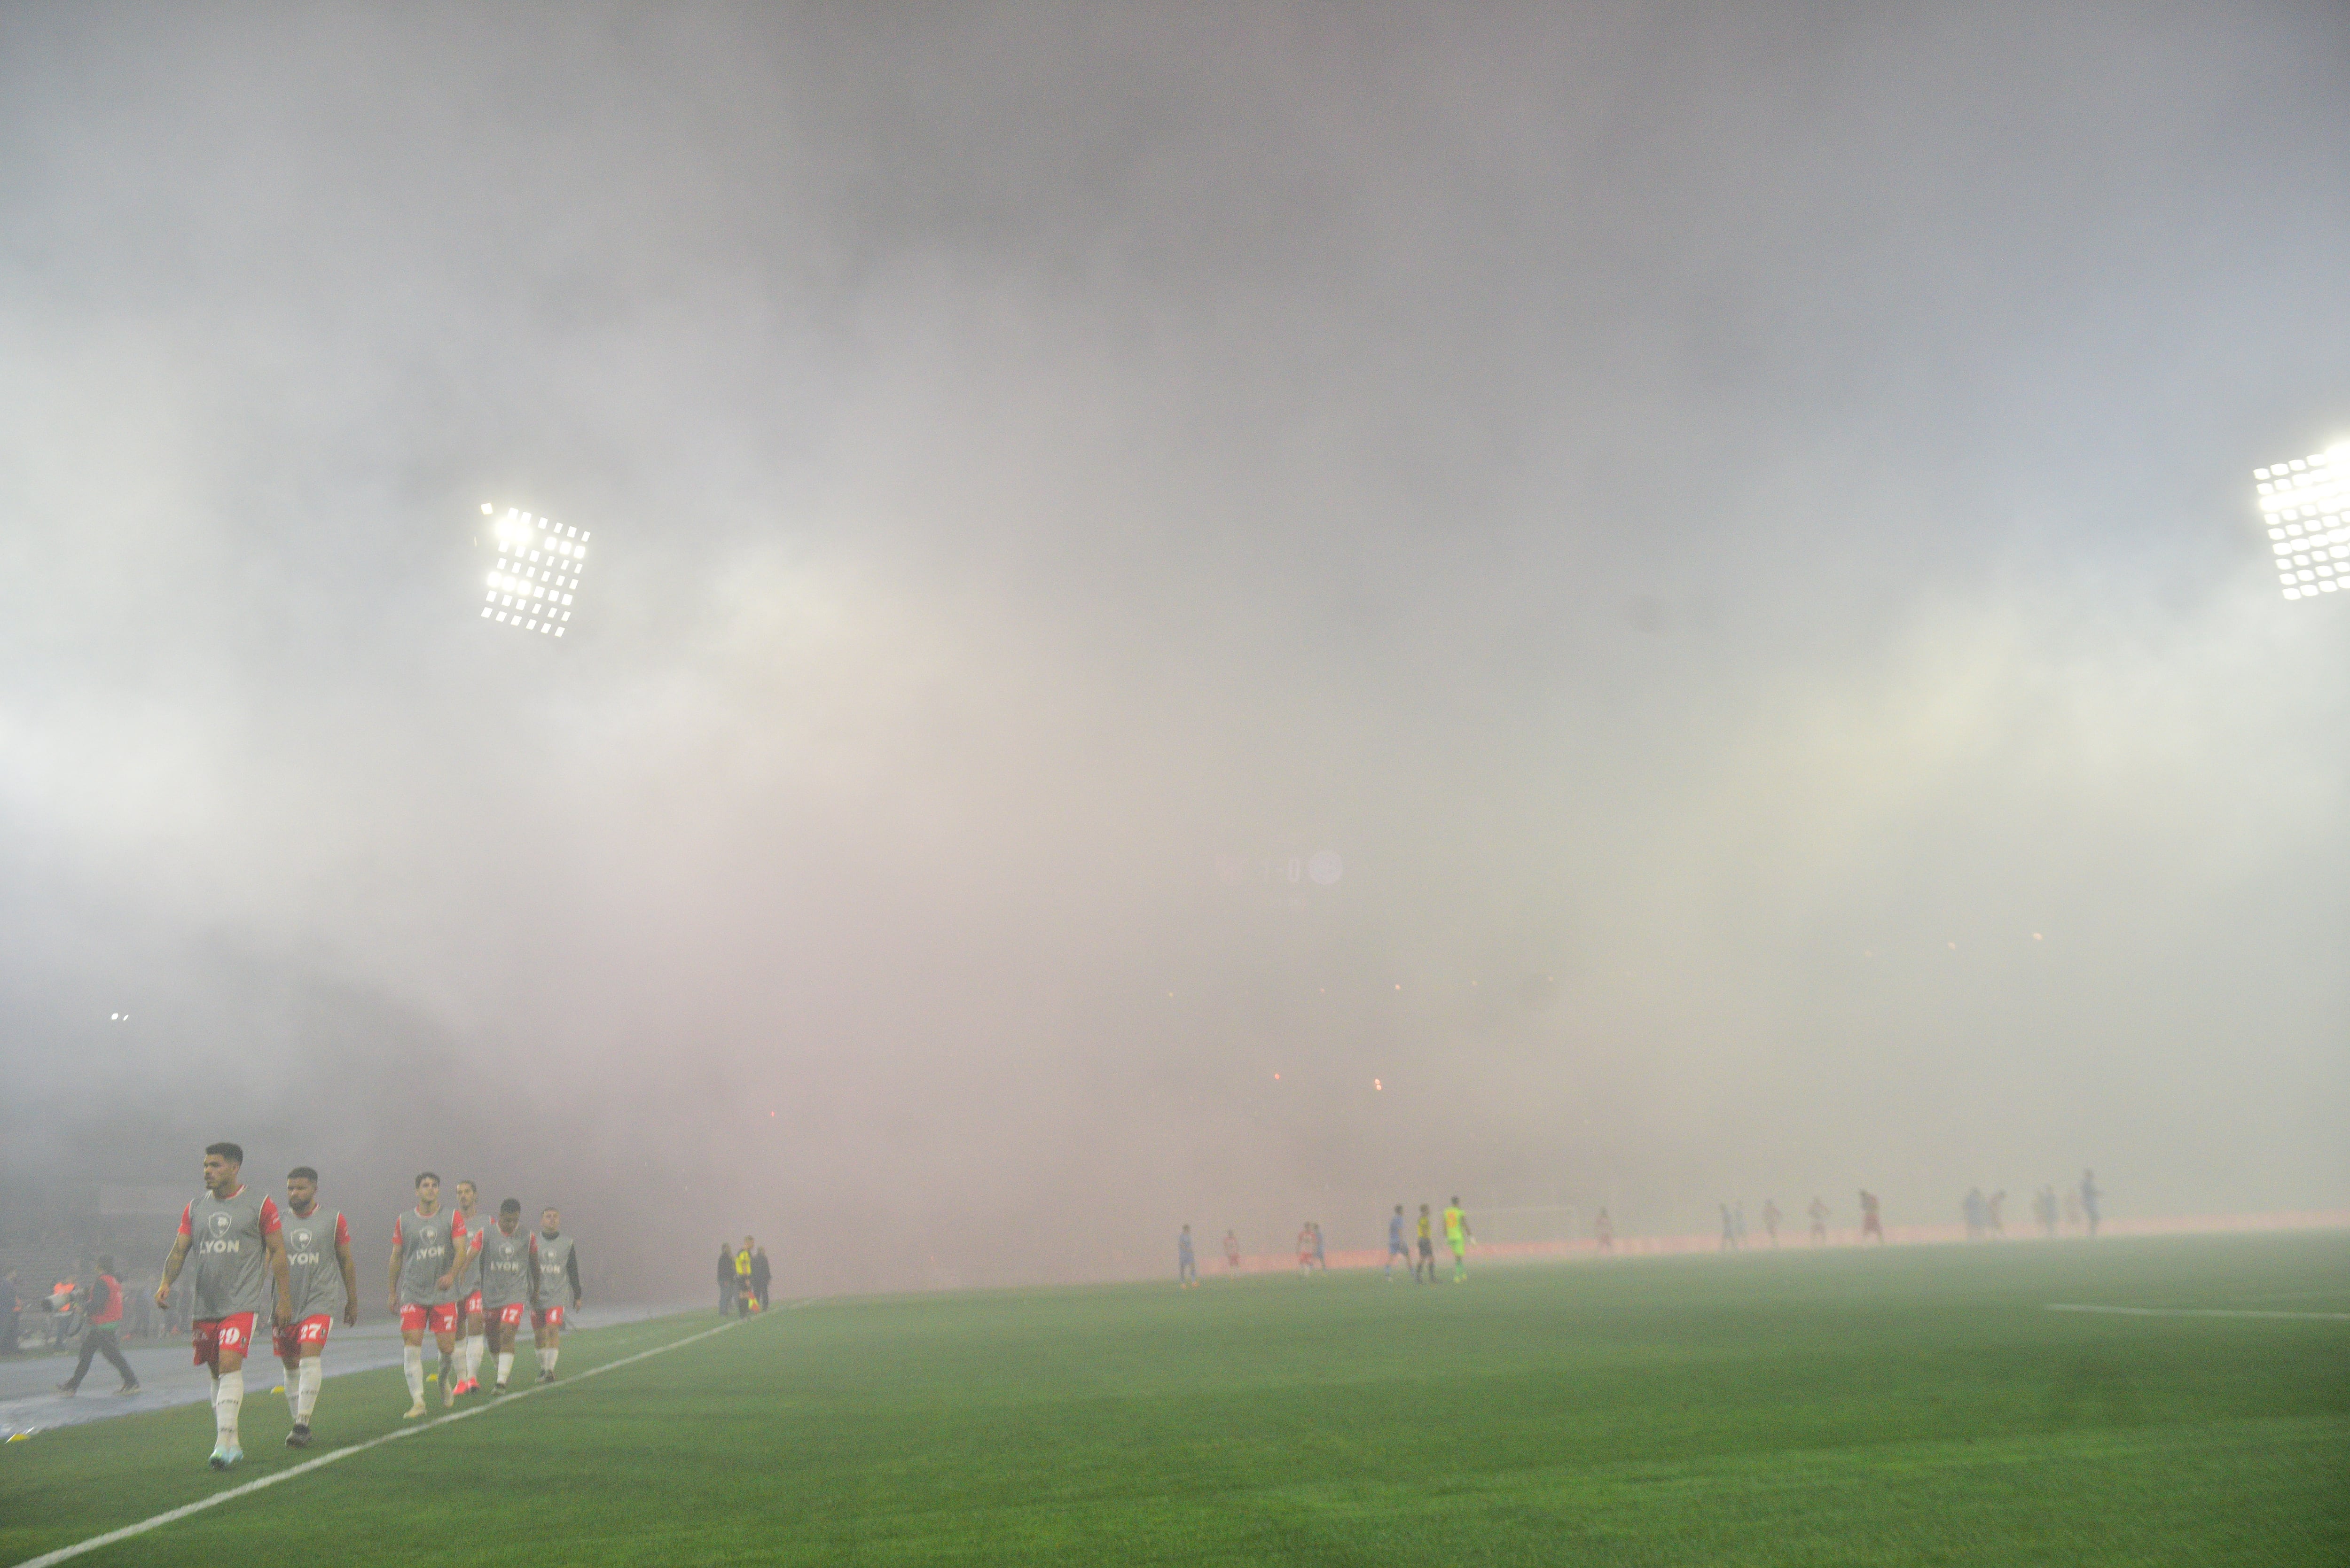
point(1771, 1219)
point(1729, 1232)
point(1187, 1270)
point(1424, 1270)
point(1870, 1223)
point(506, 1273)
point(1321, 1259)
point(2090, 1193)
point(1457, 1237)
point(1231, 1251)
point(426, 1249)
point(1819, 1213)
point(1396, 1249)
point(1305, 1247)
point(234, 1233)
point(321, 1280)
point(554, 1268)
point(469, 1293)
point(1605, 1229)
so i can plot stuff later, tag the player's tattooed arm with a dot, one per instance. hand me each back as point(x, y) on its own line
point(273, 1246)
point(171, 1271)
point(394, 1297)
point(350, 1282)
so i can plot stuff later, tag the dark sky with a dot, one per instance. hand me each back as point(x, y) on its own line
point(1733, 525)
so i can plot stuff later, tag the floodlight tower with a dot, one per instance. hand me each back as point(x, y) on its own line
point(2307, 505)
point(536, 574)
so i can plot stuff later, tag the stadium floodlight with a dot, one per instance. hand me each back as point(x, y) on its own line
point(536, 577)
point(2305, 506)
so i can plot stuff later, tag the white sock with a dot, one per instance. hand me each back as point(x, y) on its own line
point(411, 1361)
point(473, 1349)
point(505, 1366)
point(294, 1395)
point(307, 1400)
point(228, 1399)
point(546, 1358)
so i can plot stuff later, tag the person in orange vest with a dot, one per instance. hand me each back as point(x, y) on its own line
point(105, 1307)
point(62, 1304)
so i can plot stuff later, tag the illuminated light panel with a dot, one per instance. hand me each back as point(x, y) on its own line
point(2305, 506)
point(536, 577)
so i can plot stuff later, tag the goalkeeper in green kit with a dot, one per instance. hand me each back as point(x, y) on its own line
point(1457, 1236)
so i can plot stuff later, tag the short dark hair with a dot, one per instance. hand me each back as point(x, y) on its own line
point(468, 1181)
point(424, 1176)
point(232, 1152)
point(510, 1206)
point(304, 1172)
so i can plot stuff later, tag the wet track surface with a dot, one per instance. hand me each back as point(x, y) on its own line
point(29, 1400)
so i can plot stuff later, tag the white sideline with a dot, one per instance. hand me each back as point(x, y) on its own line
point(2199, 1312)
point(307, 1466)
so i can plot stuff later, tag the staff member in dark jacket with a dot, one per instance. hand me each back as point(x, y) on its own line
point(728, 1292)
point(104, 1294)
point(762, 1276)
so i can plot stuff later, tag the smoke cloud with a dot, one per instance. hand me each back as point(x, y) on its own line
point(1726, 533)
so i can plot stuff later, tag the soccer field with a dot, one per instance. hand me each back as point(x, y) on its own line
point(1911, 1406)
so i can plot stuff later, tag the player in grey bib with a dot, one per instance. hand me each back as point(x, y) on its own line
point(427, 1247)
point(323, 1283)
point(231, 1261)
point(426, 1243)
point(559, 1276)
point(313, 1270)
point(504, 1254)
point(554, 1286)
point(234, 1234)
point(505, 1268)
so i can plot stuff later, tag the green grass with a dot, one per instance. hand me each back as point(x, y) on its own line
point(1912, 1406)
